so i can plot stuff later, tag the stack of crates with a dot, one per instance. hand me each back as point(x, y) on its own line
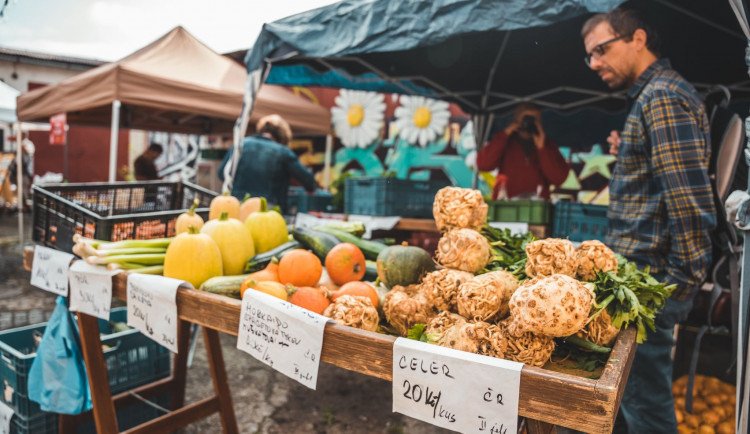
point(390, 197)
point(132, 360)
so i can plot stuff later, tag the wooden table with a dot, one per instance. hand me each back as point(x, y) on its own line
point(547, 398)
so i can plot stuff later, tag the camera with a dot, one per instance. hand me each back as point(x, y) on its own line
point(528, 124)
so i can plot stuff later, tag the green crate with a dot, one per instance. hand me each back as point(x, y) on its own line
point(132, 360)
point(535, 212)
point(580, 221)
point(390, 197)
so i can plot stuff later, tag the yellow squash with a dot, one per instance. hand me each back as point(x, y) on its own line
point(267, 227)
point(249, 206)
point(224, 203)
point(234, 241)
point(188, 218)
point(193, 257)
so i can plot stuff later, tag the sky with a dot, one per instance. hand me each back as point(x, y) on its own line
point(110, 29)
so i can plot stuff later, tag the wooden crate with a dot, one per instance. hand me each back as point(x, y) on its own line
point(546, 397)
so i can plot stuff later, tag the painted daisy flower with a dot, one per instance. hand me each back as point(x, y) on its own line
point(421, 120)
point(357, 117)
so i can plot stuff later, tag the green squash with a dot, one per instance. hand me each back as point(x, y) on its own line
point(268, 228)
point(403, 265)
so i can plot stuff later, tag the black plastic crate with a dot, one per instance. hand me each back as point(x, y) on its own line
point(42, 423)
point(112, 211)
point(390, 196)
point(580, 221)
point(131, 358)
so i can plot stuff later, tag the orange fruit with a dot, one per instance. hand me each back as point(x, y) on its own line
point(313, 299)
point(345, 263)
point(300, 268)
point(357, 288)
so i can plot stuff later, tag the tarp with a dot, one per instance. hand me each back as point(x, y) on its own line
point(485, 55)
point(8, 97)
point(175, 84)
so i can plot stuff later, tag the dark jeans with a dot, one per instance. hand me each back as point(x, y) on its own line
point(647, 404)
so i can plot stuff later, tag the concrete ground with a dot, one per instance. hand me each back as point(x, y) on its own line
point(264, 400)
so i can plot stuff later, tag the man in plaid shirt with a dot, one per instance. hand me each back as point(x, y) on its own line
point(661, 205)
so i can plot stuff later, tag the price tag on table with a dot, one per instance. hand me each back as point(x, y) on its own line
point(50, 270)
point(91, 289)
point(454, 389)
point(152, 307)
point(6, 414)
point(285, 337)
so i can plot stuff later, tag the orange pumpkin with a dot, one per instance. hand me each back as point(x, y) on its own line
point(356, 287)
point(271, 272)
point(313, 299)
point(224, 203)
point(300, 268)
point(275, 289)
point(345, 262)
point(249, 205)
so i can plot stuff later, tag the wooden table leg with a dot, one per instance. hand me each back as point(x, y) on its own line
point(219, 376)
point(96, 369)
point(539, 427)
point(179, 365)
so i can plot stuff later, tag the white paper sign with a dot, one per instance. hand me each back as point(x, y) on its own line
point(515, 227)
point(152, 307)
point(91, 289)
point(6, 414)
point(373, 223)
point(303, 220)
point(454, 389)
point(50, 270)
point(285, 337)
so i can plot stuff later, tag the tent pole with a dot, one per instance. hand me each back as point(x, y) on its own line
point(114, 132)
point(19, 181)
point(327, 162)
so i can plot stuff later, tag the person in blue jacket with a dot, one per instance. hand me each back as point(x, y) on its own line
point(266, 164)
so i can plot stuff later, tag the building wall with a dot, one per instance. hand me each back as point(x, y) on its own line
point(32, 73)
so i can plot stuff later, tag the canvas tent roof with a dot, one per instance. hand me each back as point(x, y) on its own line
point(175, 84)
point(8, 103)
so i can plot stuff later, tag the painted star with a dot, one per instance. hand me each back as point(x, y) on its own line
point(596, 164)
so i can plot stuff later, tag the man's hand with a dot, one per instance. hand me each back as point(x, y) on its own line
point(614, 142)
point(541, 136)
point(510, 129)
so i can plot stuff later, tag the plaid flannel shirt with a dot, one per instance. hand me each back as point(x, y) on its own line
point(661, 205)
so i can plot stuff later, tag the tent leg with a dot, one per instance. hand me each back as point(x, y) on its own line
point(19, 181)
point(114, 131)
point(327, 162)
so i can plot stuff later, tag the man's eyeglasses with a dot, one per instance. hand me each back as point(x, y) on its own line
point(599, 50)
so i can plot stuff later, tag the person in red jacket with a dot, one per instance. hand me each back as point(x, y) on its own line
point(527, 160)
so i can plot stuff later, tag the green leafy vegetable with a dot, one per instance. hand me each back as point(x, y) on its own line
point(630, 296)
point(508, 250)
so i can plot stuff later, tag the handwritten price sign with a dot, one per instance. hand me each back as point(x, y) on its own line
point(6, 414)
point(50, 270)
point(285, 337)
point(152, 307)
point(90, 289)
point(454, 389)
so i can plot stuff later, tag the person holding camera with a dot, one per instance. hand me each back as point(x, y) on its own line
point(528, 161)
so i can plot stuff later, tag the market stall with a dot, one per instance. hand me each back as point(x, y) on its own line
point(175, 84)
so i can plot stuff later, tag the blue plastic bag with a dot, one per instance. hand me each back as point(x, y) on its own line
point(57, 379)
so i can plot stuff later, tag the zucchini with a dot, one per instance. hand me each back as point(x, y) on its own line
point(355, 228)
point(371, 270)
point(224, 285)
point(318, 241)
point(371, 249)
point(259, 261)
